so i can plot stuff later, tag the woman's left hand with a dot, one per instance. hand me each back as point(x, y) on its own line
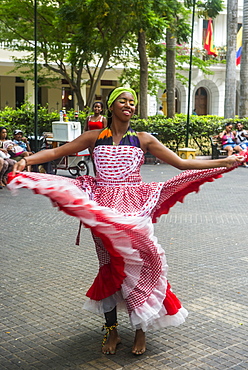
point(19, 166)
point(232, 159)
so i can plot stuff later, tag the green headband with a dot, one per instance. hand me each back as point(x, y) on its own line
point(118, 91)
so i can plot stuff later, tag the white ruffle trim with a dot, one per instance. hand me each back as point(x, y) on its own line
point(70, 199)
point(155, 321)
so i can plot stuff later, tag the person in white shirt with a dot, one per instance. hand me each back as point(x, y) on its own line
point(241, 135)
point(160, 111)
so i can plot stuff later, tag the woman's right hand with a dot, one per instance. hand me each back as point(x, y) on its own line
point(19, 166)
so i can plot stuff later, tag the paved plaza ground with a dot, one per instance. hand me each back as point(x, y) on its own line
point(44, 277)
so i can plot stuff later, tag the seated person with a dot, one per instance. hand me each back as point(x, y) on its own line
point(4, 154)
point(241, 136)
point(6, 166)
point(3, 169)
point(22, 141)
point(228, 140)
point(15, 151)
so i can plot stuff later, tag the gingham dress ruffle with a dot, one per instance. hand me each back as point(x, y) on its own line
point(120, 210)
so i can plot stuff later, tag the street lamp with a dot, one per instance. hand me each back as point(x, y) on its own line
point(190, 70)
point(35, 80)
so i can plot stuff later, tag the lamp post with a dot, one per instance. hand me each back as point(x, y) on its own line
point(35, 80)
point(186, 152)
point(190, 71)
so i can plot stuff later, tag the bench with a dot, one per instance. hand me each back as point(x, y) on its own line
point(216, 146)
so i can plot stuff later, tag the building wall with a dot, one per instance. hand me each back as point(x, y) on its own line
point(7, 92)
point(214, 84)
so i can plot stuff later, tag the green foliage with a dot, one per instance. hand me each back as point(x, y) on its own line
point(206, 8)
point(83, 33)
point(23, 119)
point(210, 8)
point(172, 131)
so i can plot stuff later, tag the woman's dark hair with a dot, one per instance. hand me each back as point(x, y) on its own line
point(109, 118)
point(2, 128)
point(98, 102)
point(109, 113)
point(228, 124)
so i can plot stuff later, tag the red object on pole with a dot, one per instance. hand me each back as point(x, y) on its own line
point(209, 42)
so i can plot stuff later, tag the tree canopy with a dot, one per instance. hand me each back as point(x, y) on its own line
point(79, 39)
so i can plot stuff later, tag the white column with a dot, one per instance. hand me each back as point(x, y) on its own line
point(29, 91)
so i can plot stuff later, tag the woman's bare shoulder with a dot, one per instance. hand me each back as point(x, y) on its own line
point(145, 140)
point(145, 137)
point(90, 136)
point(143, 134)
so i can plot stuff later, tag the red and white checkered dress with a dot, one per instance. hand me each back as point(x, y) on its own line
point(120, 210)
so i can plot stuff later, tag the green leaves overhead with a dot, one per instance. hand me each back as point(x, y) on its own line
point(206, 8)
point(89, 36)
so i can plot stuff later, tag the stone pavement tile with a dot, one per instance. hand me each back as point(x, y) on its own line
point(45, 276)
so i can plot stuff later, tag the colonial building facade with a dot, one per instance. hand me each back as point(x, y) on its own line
point(207, 91)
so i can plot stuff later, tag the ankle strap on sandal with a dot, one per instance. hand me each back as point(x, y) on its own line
point(108, 330)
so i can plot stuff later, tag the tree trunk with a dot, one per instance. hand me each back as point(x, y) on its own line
point(243, 107)
point(170, 73)
point(74, 85)
point(143, 73)
point(95, 81)
point(80, 101)
point(230, 82)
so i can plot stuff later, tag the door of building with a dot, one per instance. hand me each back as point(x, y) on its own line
point(201, 101)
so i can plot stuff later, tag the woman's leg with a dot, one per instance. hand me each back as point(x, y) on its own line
point(109, 347)
point(139, 344)
point(3, 168)
point(111, 317)
point(10, 163)
point(229, 150)
point(238, 148)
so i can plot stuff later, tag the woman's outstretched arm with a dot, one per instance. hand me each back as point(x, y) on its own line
point(84, 141)
point(152, 145)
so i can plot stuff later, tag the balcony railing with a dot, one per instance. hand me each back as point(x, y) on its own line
point(181, 50)
point(202, 53)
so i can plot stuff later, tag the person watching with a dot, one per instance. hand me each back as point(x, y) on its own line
point(228, 142)
point(241, 136)
point(97, 120)
point(22, 141)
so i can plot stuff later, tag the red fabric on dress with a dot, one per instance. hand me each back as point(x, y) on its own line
point(119, 208)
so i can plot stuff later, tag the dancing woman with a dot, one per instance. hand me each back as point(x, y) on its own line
point(120, 210)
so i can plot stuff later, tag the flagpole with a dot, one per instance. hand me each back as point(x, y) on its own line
point(35, 80)
point(190, 72)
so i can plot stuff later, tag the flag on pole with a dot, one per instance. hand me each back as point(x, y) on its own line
point(209, 42)
point(239, 46)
